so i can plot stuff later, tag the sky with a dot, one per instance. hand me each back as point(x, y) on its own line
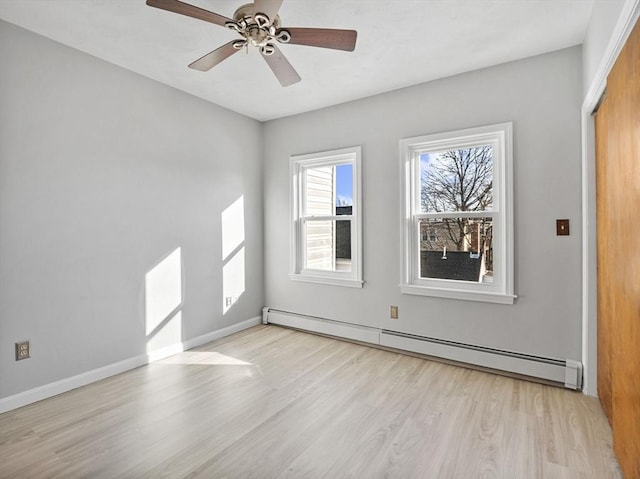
point(427, 158)
point(344, 185)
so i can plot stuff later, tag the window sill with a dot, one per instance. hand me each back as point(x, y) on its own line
point(307, 278)
point(483, 296)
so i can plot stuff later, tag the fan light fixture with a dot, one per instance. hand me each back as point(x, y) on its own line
point(257, 30)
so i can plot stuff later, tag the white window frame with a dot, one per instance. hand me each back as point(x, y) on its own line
point(499, 136)
point(297, 166)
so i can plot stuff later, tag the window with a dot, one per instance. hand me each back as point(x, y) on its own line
point(326, 221)
point(457, 230)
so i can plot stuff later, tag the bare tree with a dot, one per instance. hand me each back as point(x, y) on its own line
point(457, 181)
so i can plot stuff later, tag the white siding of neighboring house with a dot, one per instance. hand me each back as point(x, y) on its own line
point(319, 202)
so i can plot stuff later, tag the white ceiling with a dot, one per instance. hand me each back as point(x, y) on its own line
point(400, 43)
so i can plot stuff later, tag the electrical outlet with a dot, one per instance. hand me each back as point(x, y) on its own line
point(230, 301)
point(393, 312)
point(22, 350)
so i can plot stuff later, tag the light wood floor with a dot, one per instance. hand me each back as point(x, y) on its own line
point(272, 402)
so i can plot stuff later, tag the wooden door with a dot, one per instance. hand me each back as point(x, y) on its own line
point(618, 211)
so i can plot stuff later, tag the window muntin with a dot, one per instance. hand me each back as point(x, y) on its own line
point(457, 218)
point(326, 221)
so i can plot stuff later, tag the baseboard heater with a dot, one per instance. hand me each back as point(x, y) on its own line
point(567, 372)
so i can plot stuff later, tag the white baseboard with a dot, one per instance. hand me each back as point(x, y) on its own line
point(221, 333)
point(561, 371)
point(67, 384)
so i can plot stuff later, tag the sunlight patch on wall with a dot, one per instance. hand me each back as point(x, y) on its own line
point(233, 269)
point(232, 227)
point(169, 334)
point(162, 301)
point(233, 279)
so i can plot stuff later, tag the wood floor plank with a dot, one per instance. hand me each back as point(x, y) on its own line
point(271, 402)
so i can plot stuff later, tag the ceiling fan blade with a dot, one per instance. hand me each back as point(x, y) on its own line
point(211, 59)
point(281, 68)
point(189, 10)
point(268, 7)
point(324, 38)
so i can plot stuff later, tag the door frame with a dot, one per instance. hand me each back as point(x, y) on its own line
point(628, 17)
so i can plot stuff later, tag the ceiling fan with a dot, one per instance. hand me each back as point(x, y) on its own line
point(259, 25)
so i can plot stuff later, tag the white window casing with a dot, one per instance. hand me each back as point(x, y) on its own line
point(500, 290)
point(316, 211)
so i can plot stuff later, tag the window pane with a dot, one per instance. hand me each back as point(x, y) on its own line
point(328, 245)
point(457, 248)
point(329, 187)
point(344, 189)
point(343, 245)
point(318, 190)
point(456, 180)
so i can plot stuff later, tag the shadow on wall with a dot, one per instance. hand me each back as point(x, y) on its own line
point(163, 300)
point(233, 264)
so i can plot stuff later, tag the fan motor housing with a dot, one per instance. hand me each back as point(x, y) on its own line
point(257, 29)
point(246, 13)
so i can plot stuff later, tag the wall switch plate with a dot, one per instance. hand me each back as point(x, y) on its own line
point(393, 312)
point(562, 227)
point(22, 350)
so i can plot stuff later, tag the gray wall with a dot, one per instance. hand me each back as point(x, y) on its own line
point(102, 174)
point(542, 97)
